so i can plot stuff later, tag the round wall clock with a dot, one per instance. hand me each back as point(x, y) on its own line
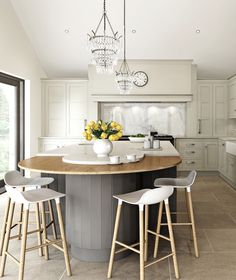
point(140, 79)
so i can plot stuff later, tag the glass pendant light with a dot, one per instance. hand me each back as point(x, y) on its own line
point(104, 46)
point(124, 77)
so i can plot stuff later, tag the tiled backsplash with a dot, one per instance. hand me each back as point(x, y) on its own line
point(166, 118)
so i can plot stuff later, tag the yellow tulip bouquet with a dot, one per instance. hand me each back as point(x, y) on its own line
point(103, 130)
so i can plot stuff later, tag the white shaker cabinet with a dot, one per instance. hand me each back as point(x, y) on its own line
point(198, 154)
point(232, 98)
point(212, 108)
point(222, 160)
point(64, 107)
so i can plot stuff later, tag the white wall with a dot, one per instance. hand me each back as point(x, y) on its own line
point(18, 58)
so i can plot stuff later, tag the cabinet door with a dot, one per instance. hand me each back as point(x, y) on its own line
point(76, 108)
point(231, 167)
point(232, 100)
point(211, 155)
point(219, 109)
point(205, 110)
point(55, 109)
point(222, 158)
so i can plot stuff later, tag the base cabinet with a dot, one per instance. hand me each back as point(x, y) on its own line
point(198, 154)
point(50, 143)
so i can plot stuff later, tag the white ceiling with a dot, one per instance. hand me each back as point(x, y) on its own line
point(166, 29)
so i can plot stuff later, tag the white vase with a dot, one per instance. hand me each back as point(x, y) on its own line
point(102, 147)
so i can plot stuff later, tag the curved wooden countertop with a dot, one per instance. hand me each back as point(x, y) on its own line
point(55, 165)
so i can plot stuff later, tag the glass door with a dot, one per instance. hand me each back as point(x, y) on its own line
point(11, 124)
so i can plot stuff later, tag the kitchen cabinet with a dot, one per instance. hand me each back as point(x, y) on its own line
point(198, 154)
point(212, 108)
point(222, 157)
point(232, 98)
point(64, 107)
point(51, 143)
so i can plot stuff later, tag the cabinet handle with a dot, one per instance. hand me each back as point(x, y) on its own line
point(192, 144)
point(223, 144)
point(190, 162)
point(199, 126)
point(190, 152)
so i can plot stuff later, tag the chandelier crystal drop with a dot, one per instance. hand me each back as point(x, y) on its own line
point(124, 77)
point(105, 46)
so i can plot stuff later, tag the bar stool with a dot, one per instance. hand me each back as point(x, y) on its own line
point(15, 179)
point(179, 183)
point(28, 198)
point(143, 198)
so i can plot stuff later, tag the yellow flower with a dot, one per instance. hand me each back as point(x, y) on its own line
point(103, 135)
point(113, 124)
point(111, 137)
point(104, 127)
point(89, 137)
point(91, 124)
point(87, 127)
point(84, 134)
point(96, 127)
point(89, 131)
point(119, 134)
point(118, 127)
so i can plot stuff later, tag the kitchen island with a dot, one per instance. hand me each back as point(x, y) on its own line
point(90, 208)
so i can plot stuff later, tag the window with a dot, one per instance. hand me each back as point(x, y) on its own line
point(11, 123)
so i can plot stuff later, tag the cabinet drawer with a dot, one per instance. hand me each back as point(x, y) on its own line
point(191, 164)
point(194, 145)
point(191, 153)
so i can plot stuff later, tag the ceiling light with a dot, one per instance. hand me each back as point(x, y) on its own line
point(104, 46)
point(198, 30)
point(133, 31)
point(124, 77)
point(67, 31)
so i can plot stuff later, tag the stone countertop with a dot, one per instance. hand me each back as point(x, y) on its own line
point(121, 148)
point(51, 162)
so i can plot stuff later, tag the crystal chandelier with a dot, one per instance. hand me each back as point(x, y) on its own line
point(124, 77)
point(104, 46)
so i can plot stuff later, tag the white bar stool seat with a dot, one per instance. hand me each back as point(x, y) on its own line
point(143, 198)
point(16, 180)
point(180, 183)
point(27, 198)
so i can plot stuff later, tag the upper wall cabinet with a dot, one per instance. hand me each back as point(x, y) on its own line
point(64, 107)
point(212, 108)
point(232, 97)
point(165, 77)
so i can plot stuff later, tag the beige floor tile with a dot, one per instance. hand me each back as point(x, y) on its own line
point(222, 239)
point(214, 220)
point(210, 266)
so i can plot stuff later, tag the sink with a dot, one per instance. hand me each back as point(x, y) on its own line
point(231, 147)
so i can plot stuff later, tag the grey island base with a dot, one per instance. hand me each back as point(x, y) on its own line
point(90, 207)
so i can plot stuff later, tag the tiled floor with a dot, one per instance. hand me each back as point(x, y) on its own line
point(215, 212)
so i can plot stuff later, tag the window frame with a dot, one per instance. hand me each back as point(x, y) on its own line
point(20, 114)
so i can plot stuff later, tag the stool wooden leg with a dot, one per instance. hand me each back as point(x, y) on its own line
point(7, 238)
point(52, 218)
point(146, 232)
point(188, 212)
point(23, 242)
point(193, 223)
point(44, 231)
point(38, 222)
point(141, 242)
point(172, 242)
point(113, 245)
point(20, 220)
point(4, 225)
point(63, 237)
point(158, 230)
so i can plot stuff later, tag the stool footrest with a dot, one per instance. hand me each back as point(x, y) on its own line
point(177, 224)
point(12, 258)
point(161, 259)
point(48, 243)
point(160, 235)
point(127, 247)
point(55, 244)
